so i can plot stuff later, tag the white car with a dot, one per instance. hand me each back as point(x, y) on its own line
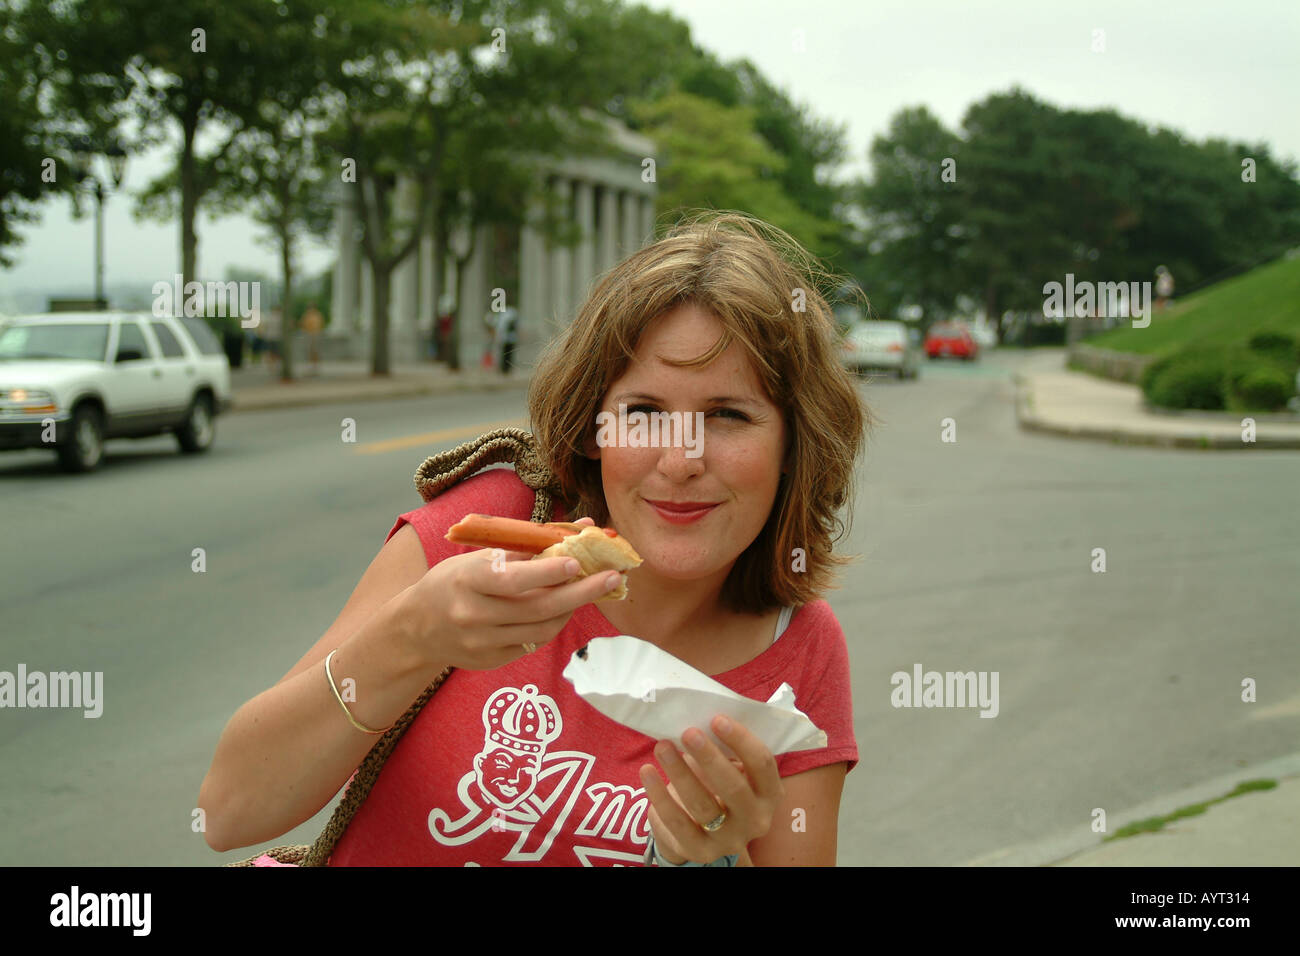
point(881, 345)
point(70, 381)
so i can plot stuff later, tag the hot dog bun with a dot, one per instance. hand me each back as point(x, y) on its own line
point(595, 550)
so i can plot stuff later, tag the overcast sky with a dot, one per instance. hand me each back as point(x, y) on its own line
point(1204, 67)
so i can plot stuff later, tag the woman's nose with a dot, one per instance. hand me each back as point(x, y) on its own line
point(680, 463)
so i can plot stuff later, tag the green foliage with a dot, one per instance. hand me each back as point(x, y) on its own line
point(1274, 341)
point(1265, 388)
point(1189, 380)
point(1041, 192)
point(1222, 316)
point(710, 156)
point(1212, 377)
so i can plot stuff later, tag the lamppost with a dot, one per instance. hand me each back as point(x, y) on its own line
point(116, 157)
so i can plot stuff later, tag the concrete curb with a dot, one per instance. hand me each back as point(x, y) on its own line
point(312, 391)
point(1138, 434)
point(1077, 842)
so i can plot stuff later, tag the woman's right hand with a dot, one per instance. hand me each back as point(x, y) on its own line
point(475, 612)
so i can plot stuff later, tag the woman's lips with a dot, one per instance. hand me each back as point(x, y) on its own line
point(684, 512)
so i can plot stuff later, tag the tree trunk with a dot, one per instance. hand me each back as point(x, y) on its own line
point(456, 316)
point(435, 285)
point(286, 311)
point(189, 201)
point(379, 323)
point(991, 308)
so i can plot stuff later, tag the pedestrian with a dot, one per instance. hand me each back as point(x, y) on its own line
point(272, 325)
point(505, 763)
point(1164, 287)
point(312, 322)
point(444, 329)
point(489, 351)
point(254, 333)
point(507, 330)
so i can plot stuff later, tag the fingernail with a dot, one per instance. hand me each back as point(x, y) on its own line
point(723, 725)
point(613, 580)
point(572, 567)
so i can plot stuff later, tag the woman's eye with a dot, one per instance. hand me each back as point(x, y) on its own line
point(733, 413)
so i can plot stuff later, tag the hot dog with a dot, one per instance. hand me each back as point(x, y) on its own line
point(595, 549)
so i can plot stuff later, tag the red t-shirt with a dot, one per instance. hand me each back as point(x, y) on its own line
point(511, 766)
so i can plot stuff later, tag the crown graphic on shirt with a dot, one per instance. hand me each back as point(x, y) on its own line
point(521, 719)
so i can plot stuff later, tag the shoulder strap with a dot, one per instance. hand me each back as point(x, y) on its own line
point(436, 475)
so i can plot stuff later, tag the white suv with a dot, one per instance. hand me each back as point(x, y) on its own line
point(70, 381)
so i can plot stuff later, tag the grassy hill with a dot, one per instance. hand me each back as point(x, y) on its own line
point(1225, 314)
point(1234, 345)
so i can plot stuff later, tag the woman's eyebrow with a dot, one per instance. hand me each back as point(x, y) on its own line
point(715, 400)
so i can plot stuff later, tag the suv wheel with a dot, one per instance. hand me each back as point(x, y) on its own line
point(84, 450)
point(198, 431)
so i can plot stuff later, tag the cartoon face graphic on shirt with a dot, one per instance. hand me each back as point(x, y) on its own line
point(506, 777)
point(518, 724)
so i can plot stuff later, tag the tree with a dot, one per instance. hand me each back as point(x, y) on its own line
point(711, 155)
point(914, 237)
point(271, 169)
point(26, 137)
point(165, 71)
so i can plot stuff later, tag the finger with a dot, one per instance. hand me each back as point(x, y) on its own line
point(688, 840)
point(694, 795)
point(758, 761)
point(717, 773)
point(664, 842)
point(546, 603)
point(508, 578)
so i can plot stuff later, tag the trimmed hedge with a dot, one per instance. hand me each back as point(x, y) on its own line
point(1213, 378)
point(1266, 388)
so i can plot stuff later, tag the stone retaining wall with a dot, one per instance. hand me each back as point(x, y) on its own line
point(1118, 366)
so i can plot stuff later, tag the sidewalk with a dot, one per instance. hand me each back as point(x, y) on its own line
point(1257, 828)
point(1051, 398)
point(256, 388)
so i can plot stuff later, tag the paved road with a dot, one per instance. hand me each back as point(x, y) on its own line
point(1114, 688)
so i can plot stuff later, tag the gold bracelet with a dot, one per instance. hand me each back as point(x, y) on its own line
point(339, 698)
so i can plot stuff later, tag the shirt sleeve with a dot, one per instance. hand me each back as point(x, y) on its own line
point(827, 698)
point(496, 491)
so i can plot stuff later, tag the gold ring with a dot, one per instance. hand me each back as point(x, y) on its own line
point(717, 822)
point(529, 648)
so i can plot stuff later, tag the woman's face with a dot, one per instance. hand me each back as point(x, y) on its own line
point(691, 510)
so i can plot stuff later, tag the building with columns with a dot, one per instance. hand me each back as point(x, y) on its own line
point(605, 196)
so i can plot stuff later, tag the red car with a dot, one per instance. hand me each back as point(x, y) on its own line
point(947, 338)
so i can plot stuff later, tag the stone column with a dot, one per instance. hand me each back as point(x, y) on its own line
point(474, 302)
point(584, 256)
point(608, 241)
point(343, 322)
point(534, 306)
point(404, 288)
point(562, 263)
point(631, 224)
point(429, 292)
point(647, 221)
point(367, 305)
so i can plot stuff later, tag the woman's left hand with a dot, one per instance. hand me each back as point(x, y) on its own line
point(702, 783)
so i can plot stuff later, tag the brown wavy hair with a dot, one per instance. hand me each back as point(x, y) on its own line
point(768, 293)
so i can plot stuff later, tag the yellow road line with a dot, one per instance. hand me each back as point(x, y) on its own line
point(432, 438)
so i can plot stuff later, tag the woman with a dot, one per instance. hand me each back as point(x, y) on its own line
point(505, 763)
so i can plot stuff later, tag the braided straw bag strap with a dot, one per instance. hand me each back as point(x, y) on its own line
point(436, 475)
